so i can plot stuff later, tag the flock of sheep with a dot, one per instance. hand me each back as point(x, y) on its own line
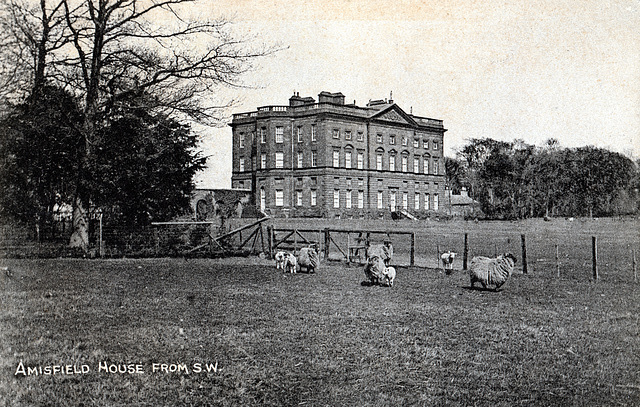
point(378, 271)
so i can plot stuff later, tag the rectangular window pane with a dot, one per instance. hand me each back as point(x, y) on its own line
point(435, 202)
point(348, 203)
point(300, 157)
point(404, 163)
point(313, 132)
point(360, 161)
point(426, 201)
point(279, 160)
point(336, 198)
point(336, 159)
point(347, 135)
point(299, 198)
point(347, 159)
point(416, 165)
point(416, 199)
point(263, 161)
point(299, 134)
point(360, 136)
point(314, 195)
point(379, 199)
point(392, 163)
point(279, 197)
point(241, 140)
point(241, 164)
point(314, 159)
point(425, 165)
point(360, 199)
point(379, 162)
point(336, 133)
point(279, 134)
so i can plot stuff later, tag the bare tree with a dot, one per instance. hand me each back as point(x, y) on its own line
point(108, 52)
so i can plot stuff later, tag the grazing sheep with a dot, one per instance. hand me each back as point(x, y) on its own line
point(389, 276)
point(383, 251)
point(279, 258)
point(489, 271)
point(308, 258)
point(447, 260)
point(290, 263)
point(374, 269)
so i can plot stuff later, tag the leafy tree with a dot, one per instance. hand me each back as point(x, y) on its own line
point(39, 145)
point(144, 166)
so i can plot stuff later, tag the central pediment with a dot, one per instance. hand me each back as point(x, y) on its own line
point(395, 115)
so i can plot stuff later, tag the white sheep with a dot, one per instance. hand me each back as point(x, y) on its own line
point(447, 259)
point(388, 277)
point(279, 258)
point(290, 263)
point(489, 271)
point(308, 259)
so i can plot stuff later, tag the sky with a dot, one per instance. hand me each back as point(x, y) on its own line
point(530, 70)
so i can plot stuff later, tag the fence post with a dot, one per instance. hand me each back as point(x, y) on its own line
point(327, 241)
point(524, 254)
point(270, 240)
point(557, 262)
point(594, 255)
point(100, 243)
point(348, 248)
point(413, 249)
point(466, 251)
point(438, 256)
point(635, 263)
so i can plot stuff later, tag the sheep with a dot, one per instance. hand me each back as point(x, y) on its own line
point(447, 260)
point(279, 258)
point(383, 251)
point(389, 276)
point(374, 269)
point(489, 271)
point(308, 258)
point(290, 264)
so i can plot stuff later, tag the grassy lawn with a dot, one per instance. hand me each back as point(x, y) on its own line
point(311, 340)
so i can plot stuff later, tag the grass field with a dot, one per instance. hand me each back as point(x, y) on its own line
point(311, 340)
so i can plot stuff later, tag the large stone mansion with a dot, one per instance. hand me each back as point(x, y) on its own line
point(330, 159)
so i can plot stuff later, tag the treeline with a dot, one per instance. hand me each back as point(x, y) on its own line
point(515, 180)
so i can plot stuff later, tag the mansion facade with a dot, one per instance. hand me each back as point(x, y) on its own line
point(330, 159)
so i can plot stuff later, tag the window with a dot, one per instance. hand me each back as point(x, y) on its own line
point(416, 165)
point(336, 198)
point(360, 182)
point(263, 161)
point(416, 143)
point(313, 132)
point(314, 159)
point(435, 202)
point(348, 182)
point(416, 201)
point(425, 166)
point(360, 199)
point(360, 136)
point(379, 137)
point(426, 202)
point(299, 198)
point(379, 162)
point(360, 161)
point(379, 199)
point(392, 139)
point(405, 200)
point(279, 159)
point(347, 135)
point(392, 200)
point(279, 134)
point(241, 140)
point(314, 197)
point(314, 180)
point(300, 157)
point(299, 134)
point(336, 158)
point(348, 203)
point(392, 163)
point(336, 133)
point(425, 143)
point(435, 167)
point(404, 141)
point(347, 159)
point(263, 199)
point(241, 164)
point(279, 197)
point(435, 144)
point(263, 135)
point(405, 164)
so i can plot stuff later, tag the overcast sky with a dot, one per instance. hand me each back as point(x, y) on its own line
point(531, 69)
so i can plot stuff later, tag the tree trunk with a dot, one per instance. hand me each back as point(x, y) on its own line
point(80, 235)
